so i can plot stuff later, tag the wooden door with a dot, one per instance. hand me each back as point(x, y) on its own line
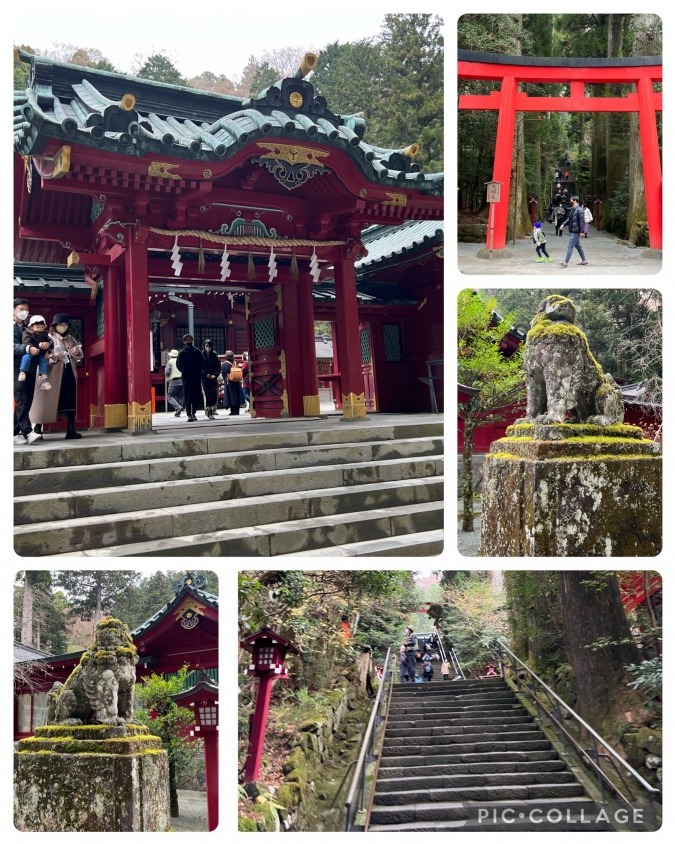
point(367, 366)
point(267, 367)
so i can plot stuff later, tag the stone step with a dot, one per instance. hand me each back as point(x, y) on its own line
point(500, 787)
point(426, 544)
point(270, 490)
point(442, 700)
point(459, 809)
point(576, 814)
point(485, 779)
point(468, 746)
point(187, 464)
point(481, 687)
point(418, 710)
point(278, 538)
point(405, 772)
point(416, 733)
point(79, 504)
point(120, 450)
point(469, 720)
point(524, 733)
point(469, 757)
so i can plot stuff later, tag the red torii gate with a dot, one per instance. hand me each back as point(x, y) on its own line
point(511, 70)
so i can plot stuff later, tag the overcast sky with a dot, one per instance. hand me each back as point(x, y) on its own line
point(200, 36)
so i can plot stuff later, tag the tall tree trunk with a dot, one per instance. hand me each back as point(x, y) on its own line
point(27, 610)
point(173, 790)
point(614, 132)
point(594, 612)
point(467, 469)
point(644, 44)
point(97, 609)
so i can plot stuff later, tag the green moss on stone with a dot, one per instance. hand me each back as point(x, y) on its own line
point(246, 825)
point(289, 795)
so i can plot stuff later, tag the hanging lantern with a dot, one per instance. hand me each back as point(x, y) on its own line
point(176, 262)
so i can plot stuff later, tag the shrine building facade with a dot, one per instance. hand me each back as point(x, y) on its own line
point(146, 211)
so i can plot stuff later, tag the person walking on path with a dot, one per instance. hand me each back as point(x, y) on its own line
point(576, 223)
point(539, 238)
point(175, 385)
point(210, 373)
point(411, 653)
point(62, 400)
point(190, 362)
point(232, 377)
point(588, 218)
point(559, 216)
point(23, 390)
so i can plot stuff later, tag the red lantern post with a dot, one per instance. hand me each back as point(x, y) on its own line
point(268, 652)
point(202, 698)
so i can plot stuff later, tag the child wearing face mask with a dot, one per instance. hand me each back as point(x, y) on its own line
point(36, 336)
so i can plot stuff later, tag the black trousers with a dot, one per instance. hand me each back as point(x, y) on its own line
point(23, 398)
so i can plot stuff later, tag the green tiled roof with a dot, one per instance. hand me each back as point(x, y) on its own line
point(385, 242)
point(93, 108)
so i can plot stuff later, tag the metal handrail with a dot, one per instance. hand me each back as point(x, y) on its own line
point(590, 757)
point(366, 755)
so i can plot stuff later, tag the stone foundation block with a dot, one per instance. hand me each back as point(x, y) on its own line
point(91, 779)
point(572, 491)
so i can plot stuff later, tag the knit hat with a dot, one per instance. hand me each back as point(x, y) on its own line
point(173, 353)
point(537, 225)
point(36, 318)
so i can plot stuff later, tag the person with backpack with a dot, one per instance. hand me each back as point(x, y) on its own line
point(428, 668)
point(232, 377)
point(411, 653)
point(576, 223)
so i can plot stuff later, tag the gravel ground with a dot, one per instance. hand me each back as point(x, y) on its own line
point(606, 254)
point(192, 808)
point(468, 543)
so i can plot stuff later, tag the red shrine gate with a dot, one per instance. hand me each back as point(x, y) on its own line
point(643, 72)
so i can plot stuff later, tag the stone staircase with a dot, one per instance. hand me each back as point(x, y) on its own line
point(465, 755)
point(341, 490)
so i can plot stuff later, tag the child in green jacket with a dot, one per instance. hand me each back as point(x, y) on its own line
point(539, 239)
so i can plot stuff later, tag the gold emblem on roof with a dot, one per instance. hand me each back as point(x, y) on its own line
point(162, 170)
point(399, 199)
point(296, 99)
point(293, 154)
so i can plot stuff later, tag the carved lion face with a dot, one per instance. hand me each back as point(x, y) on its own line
point(558, 309)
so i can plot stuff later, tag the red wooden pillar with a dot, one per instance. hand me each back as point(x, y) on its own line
point(651, 161)
point(258, 724)
point(506, 123)
point(115, 352)
point(348, 338)
point(309, 373)
point(290, 343)
point(211, 765)
point(137, 337)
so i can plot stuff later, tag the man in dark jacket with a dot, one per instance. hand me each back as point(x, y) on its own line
point(576, 222)
point(23, 390)
point(190, 362)
point(410, 643)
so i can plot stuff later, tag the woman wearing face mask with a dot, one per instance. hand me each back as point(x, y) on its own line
point(62, 398)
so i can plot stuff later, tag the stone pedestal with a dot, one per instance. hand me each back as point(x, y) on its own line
point(572, 491)
point(94, 778)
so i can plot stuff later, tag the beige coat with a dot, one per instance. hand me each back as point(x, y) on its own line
point(45, 402)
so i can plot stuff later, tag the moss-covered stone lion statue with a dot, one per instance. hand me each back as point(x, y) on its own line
point(565, 383)
point(100, 690)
